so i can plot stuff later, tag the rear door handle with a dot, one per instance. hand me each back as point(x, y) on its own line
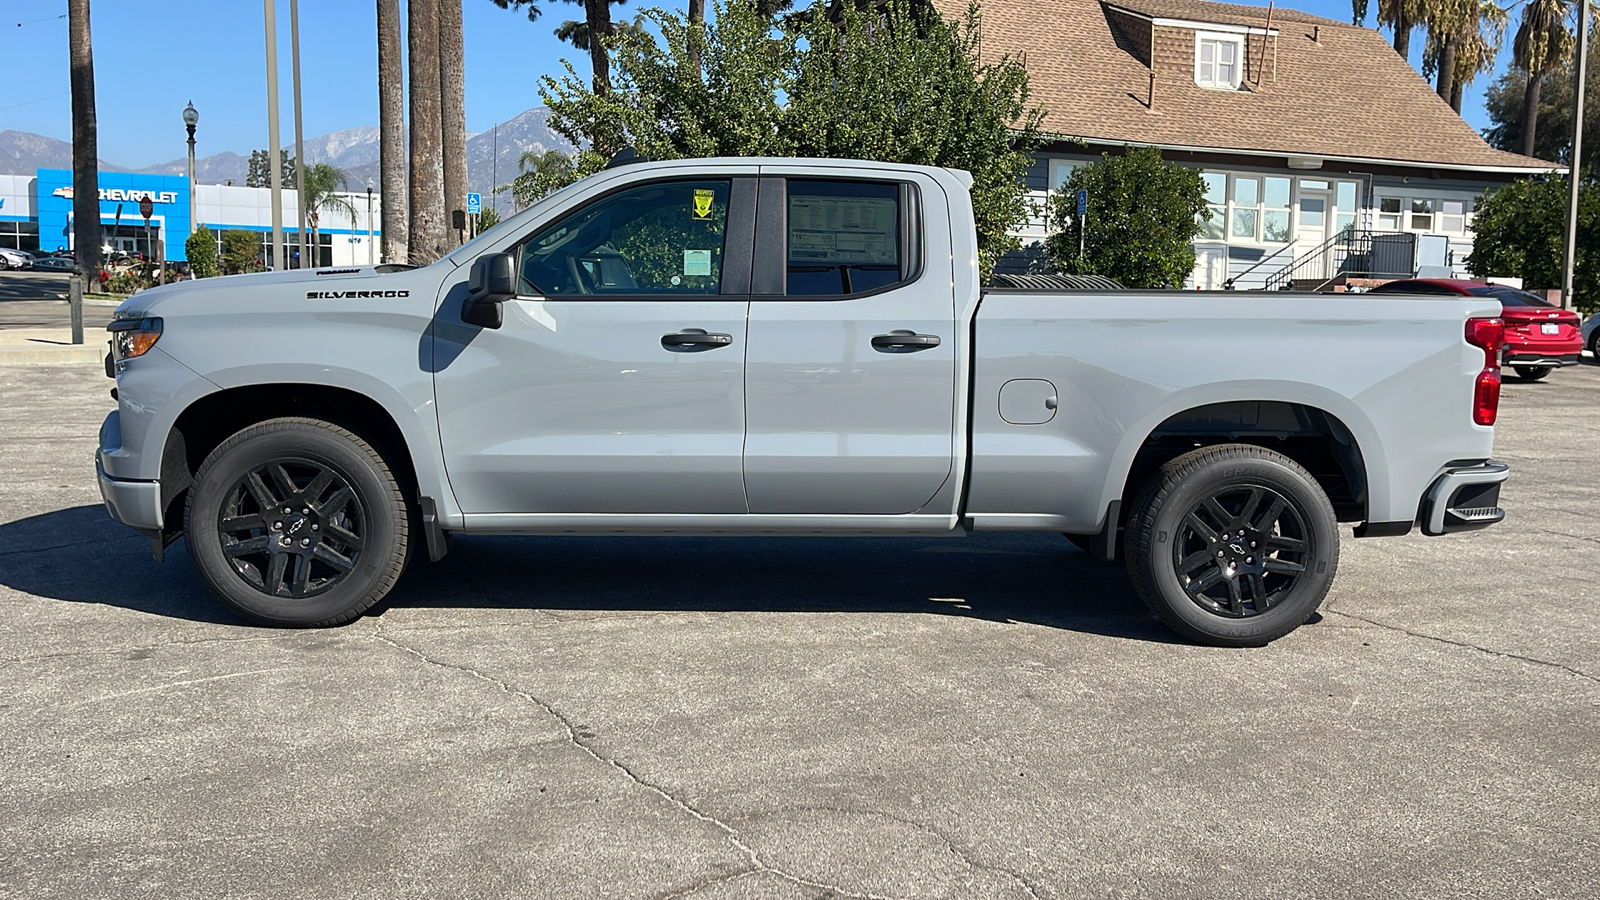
point(901, 341)
point(695, 340)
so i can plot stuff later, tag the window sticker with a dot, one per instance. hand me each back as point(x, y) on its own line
point(697, 262)
point(702, 204)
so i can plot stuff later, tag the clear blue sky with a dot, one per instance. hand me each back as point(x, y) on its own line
point(154, 56)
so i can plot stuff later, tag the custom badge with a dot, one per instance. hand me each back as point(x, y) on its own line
point(702, 203)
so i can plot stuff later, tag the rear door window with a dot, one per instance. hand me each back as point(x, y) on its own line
point(845, 237)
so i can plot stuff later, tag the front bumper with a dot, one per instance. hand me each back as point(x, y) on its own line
point(136, 504)
point(1464, 499)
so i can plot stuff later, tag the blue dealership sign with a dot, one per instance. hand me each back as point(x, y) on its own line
point(474, 204)
point(168, 196)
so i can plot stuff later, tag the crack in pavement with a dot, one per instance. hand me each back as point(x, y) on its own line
point(577, 741)
point(105, 540)
point(98, 651)
point(1564, 534)
point(1465, 645)
point(704, 885)
point(950, 846)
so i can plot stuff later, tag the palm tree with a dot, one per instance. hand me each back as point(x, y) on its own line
point(392, 131)
point(1463, 38)
point(427, 228)
point(323, 182)
point(1541, 44)
point(453, 113)
point(86, 232)
point(1401, 15)
point(542, 172)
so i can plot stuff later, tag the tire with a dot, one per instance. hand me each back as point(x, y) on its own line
point(1251, 598)
point(4, 264)
point(1532, 373)
point(1594, 346)
point(322, 489)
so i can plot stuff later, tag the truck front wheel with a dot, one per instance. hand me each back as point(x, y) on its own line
point(1232, 545)
point(297, 522)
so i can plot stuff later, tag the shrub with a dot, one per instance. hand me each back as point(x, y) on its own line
point(1143, 212)
point(201, 248)
point(240, 252)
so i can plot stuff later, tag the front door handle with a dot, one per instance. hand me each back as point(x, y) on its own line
point(694, 340)
point(901, 341)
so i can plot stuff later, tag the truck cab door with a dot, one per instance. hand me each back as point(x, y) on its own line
point(615, 383)
point(851, 360)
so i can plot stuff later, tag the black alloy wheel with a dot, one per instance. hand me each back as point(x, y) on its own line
point(1240, 550)
point(292, 527)
point(298, 522)
point(1233, 545)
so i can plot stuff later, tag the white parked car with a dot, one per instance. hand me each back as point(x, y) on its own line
point(15, 259)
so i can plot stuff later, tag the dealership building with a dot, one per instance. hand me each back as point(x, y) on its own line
point(36, 214)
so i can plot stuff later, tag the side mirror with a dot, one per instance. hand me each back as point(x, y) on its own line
point(493, 281)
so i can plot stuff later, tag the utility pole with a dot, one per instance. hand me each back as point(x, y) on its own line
point(274, 154)
point(1569, 250)
point(299, 147)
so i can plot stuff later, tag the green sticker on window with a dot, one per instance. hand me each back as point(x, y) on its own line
point(697, 262)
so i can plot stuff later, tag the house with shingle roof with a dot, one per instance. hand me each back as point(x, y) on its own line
point(1323, 152)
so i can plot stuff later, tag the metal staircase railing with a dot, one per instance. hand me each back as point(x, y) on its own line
point(1352, 254)
point(1228, 284)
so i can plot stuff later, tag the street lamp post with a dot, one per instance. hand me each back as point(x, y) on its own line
point(191, 118)
point(369, 220)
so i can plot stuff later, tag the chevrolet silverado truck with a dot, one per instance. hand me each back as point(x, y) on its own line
point(786, 347)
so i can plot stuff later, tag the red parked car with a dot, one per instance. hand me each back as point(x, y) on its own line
point(1539, 335)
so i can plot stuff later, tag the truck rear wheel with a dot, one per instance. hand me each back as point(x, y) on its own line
point(1232, 545)
point(297, 522)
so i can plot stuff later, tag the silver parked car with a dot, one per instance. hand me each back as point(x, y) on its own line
point(1591, 335)
point(15, 259)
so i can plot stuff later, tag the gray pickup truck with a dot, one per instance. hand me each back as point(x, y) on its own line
point(786, 347)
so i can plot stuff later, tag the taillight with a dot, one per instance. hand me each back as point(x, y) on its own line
point(1489, 334)
point(1486, 397)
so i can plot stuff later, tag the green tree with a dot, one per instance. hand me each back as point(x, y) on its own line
point(1540, 47)
point(541, 173)
point(258, 173)
point(1143, 212)
point(241, 251)
point(201, 248)
point(1464, 37)
point(1519, 233)
point(323, 184)
point(487, 219)
point(1505, 99)
point(892, 82)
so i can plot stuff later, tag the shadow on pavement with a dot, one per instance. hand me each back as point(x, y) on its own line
point(79, 555)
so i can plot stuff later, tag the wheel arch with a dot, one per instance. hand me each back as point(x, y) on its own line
point(213, 418)
point(1344, 460)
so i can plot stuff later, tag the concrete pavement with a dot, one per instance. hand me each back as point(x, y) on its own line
point(990, 717)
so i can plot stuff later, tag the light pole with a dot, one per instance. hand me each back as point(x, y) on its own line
point(1569, 246)
point(369, 220)
point(191, 118)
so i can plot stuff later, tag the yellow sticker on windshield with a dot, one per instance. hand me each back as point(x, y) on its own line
point(702, 203)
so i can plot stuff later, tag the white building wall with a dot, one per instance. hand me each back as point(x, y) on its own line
point(221, 207)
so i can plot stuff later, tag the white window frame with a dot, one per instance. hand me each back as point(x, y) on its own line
point(1201, 38)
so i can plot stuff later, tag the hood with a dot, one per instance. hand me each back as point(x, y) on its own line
point(334, 281)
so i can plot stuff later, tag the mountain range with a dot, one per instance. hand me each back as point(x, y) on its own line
point(491, 155)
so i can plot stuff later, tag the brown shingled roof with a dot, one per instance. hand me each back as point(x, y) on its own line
point(1325, 89)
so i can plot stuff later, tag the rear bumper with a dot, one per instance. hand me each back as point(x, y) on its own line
point(1464, 499)
point(1532, 358)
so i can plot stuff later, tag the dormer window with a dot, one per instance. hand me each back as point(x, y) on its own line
point(1217, 60)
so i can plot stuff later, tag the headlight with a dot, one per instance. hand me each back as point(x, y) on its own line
point(132, 338)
